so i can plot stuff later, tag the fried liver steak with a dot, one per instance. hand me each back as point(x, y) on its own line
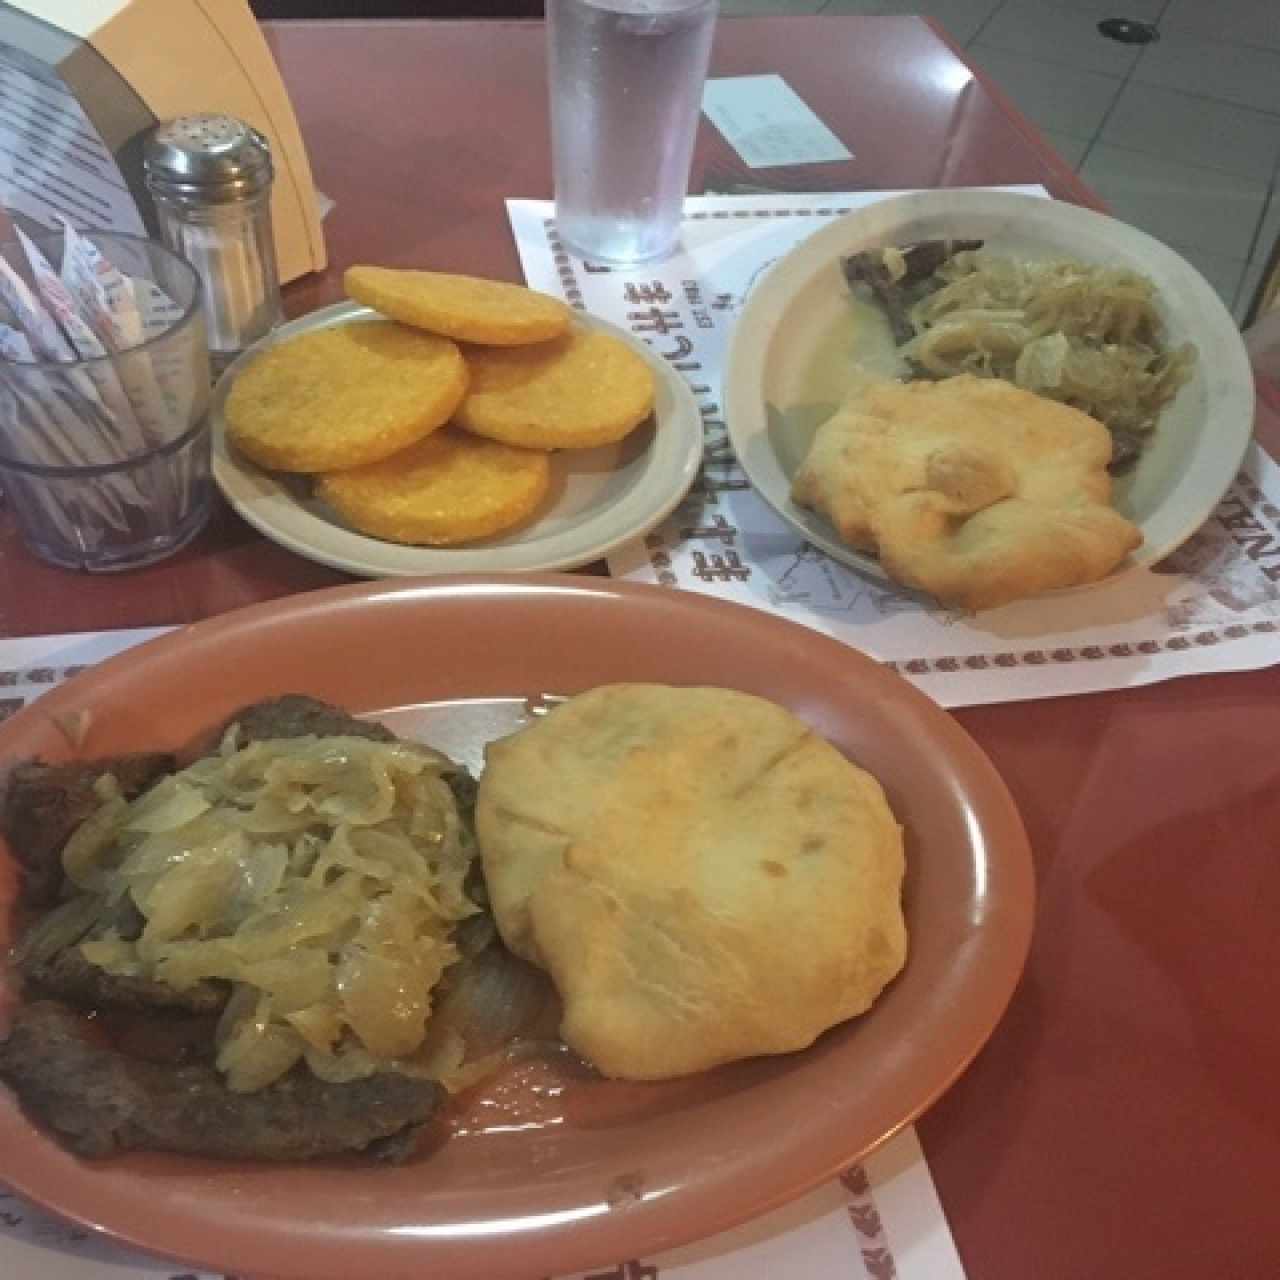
point(294, 715)
point(897, 294)
point(100, 1102)
point(69, 976)
point(44, 803)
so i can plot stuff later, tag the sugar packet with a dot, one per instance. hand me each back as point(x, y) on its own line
point(107, 410)
point(129, 434)
point(109, 300)
point(67, 425)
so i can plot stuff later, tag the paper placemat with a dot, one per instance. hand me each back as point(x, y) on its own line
point(1212, 606)
point(880, 1220)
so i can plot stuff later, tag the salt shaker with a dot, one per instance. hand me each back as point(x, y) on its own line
point(210, 177)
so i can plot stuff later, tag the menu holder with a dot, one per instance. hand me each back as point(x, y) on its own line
point(82, 82)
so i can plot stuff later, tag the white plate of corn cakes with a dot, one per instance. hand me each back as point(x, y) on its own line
point(461, 426)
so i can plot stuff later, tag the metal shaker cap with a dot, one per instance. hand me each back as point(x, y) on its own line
point(207, 159)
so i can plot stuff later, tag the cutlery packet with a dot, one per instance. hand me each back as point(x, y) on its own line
point(108, 299)
point(81, 419)
point(66, 313)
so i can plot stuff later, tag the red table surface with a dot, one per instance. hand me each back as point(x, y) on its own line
point(1123, 1121)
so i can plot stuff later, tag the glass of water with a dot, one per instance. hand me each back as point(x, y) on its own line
point(626, 89)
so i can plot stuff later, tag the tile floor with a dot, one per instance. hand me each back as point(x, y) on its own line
point(1180, 137)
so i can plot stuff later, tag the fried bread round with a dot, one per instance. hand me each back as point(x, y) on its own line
point(467, 308)
point(448, 488)
point(703, 877)
point(970, 488)
point(344, 396)
point(576, 392)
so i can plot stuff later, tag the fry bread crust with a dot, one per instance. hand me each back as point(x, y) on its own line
point(703, 877)
point(971, 489)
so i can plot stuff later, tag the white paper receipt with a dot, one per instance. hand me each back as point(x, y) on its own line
point(767, 123)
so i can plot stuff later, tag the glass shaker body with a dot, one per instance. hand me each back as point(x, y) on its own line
point(231, 247)
point(210, 176)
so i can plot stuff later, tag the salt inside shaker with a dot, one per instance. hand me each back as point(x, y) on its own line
point(210, 177)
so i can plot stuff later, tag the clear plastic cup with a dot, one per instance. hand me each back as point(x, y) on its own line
point(106, 461)
point(626, 89)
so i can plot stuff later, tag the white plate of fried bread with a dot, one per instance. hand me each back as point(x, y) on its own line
point(566, 506)
point(988, 396)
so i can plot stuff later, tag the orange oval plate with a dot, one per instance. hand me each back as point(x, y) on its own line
point(619, 1170)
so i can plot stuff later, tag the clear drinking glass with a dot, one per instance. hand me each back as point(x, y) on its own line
point(106, 461)
point(626, 89)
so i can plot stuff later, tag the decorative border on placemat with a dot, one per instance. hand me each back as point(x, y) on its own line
point(15, 685)
point(718, 215)
point(564, 263)
point(864, 1216)
point(1255, 495)
point(877, 1255)
point(1089, 653)
point(40, 675)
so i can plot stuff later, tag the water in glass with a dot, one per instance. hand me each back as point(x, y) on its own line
point(626, 89)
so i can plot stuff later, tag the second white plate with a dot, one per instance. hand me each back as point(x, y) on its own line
point(774, 401)
point(599, 499)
